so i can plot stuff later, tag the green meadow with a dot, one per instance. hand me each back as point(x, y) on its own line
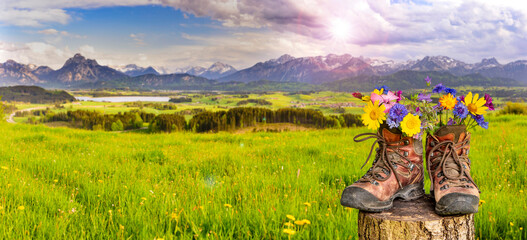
point(60, 183)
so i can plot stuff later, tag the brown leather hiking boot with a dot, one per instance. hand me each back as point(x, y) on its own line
point(396, 172)
point(448, 165)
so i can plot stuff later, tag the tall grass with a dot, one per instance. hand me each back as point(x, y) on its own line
point(66, 183)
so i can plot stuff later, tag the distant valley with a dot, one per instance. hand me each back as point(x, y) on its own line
point(287, 73)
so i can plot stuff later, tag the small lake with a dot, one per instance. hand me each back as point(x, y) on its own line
point(125, 99)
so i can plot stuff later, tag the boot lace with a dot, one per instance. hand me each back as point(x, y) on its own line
point(450, 162)
point(383, 163)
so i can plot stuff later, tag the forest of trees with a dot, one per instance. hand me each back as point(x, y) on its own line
point(203, 121)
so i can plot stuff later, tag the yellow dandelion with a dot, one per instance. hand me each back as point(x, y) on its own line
point(143, 198)
point(307, 222)
point(475, 104)
point(4, 167)
point(521, 228)
point(411, 125)
point(121, 227)
point(290, 217)
point(100, 180)
point(289, 224)
point(511, 223)
point(373, 115)
point(289, 231)
point(299, 222)
point(481, 202)
point(56, 180)
point(173, 215)
point(307, 204)
point(448, 101)
point(227, 205)
point(21, 208)
point(521, 191)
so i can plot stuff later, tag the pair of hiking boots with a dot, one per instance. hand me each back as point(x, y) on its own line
point(397, 172)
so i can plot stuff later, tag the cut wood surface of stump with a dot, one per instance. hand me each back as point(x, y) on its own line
point(414, 220)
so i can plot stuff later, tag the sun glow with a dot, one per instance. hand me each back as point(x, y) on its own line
point(340, 29)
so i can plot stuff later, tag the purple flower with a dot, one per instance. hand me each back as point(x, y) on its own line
point(451, 122)
point(484, 125)
point(424, 97)
point(460, 110)
point(428, 81)
point(488, 103)
point(438, 88)
point(461, 98)
point(451, 91)
point(386, 89)
point(398, 94)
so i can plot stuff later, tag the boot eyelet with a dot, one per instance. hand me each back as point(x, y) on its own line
point(433, 144)
point(375, 183)
point(394, 166)
point(444, 187)
point(405, 154)
point(442, 181)
point(385, 171)
point(411, 166)
point(406, 142)
point(440, 174)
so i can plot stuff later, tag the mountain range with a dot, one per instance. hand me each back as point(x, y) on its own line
point(80, 72)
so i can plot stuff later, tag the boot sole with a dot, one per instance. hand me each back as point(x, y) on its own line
point(456, 204)
point(407, 193)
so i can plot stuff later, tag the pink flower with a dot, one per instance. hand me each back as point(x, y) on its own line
point(388, 100)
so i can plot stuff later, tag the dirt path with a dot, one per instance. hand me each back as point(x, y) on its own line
point(12, 115)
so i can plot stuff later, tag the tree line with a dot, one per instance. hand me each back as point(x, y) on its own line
point(205, 121)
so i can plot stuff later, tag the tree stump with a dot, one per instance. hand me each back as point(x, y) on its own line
point(414, 220)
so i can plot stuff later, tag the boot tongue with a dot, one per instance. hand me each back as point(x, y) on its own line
point(391, 135)
point(455, 133)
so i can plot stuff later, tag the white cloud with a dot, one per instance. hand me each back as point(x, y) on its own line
point(138, 39)
point(49, 31)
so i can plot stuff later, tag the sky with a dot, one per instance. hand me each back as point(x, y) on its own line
point(178, 33)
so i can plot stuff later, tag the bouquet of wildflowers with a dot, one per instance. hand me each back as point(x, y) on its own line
point(385, 106)
point(419, 114)
point(452, 109)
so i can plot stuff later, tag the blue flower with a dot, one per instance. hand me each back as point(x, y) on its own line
point(451, 122)
point(391, 123)
point(398, 112)
point(438, 88)
point(480, 120)
point(386, 88)
point(460, 110)
point(451, 91)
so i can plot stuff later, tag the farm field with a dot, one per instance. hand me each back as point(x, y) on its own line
point(60, 183)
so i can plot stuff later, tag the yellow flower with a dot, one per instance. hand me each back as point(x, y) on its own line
point(56, 180)
point(289, 224)
point(475, 104)
point(512, 224)
point(290, 217)
point(302, 222)
point(100, 180)
point(521, 228)
point(4, 167)
point(481, 202)
point(448, 101)
point(521, 191)
point(374, 115)
point(307, 204)
point(227, 205)
point(366, 99)
point(289, 231)
point(411, 125)
point(378, 92)
point(21, 208)
point(143, 198)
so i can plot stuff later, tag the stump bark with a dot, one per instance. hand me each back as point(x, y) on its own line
point(414, 220)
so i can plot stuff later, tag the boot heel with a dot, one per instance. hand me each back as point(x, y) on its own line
point(412, 192)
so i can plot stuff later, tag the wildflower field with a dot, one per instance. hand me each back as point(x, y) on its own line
point(59, 183)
